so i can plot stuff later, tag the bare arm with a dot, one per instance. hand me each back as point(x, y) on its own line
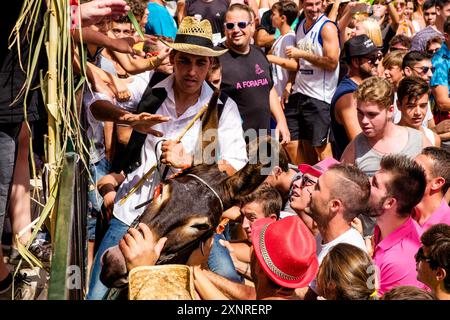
point(136, 65)
point(278, 114)
point(181, 10)
point(440, 93)
point(394, 16)
point(288, 64)
point(205, 288)
point(231, 289)
point(104, 110)
point(124, 45)
point(334, 11)
point(330, 59)
point(263, 39)
point(345, 113)
point(349, 153)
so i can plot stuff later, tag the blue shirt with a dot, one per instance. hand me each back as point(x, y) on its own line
point(160, 22)
point(441, 61)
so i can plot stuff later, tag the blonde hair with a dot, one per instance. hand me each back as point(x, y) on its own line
point(372, 29)
point(377, 90)
point(345, 274)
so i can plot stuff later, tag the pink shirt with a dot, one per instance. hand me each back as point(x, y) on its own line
point(394, 256)
point(440, 215)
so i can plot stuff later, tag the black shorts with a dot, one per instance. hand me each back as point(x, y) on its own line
point(308, 119)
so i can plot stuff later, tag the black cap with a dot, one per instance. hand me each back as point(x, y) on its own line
point(359, 46)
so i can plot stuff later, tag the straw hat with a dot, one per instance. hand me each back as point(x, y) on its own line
point(195, 37)
point(165, 282)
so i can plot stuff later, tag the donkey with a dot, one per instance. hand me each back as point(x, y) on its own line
point(187, 212)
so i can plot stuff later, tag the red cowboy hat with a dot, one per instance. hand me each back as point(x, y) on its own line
point(286, 251)
point(319, 168)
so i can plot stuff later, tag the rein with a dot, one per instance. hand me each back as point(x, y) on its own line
point(209, 187)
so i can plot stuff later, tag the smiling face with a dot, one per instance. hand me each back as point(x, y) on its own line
point(413, 112)
point(373, 118)
point(239, 38)
point(313, 9)
point(190, 71)
point(394, 74)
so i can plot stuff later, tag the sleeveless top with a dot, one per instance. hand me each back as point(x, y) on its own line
point(311, 80)
point(368, 160)
point(341, 140)
point(430, 135)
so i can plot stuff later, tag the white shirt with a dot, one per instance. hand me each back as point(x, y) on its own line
point(231, 145)
point(136, 86)
point(281, 75)
point(95, 133)
point(351, 236)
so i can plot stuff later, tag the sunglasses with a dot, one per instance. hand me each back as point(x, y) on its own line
point(432, 52)
point(373, 59)
point(420, 256)
point(425, 69)
point(307, 182)
point(240, 24)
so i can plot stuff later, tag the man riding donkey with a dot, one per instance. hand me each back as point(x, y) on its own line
point(175, 141)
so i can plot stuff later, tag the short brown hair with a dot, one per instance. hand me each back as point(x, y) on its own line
point(412, 88)
point(394, 58)
point(352, 188)
point(241, 7)
point(441, 164)
point(287, 8)
point(407, 183)
point(437, 240)
point(407, 293)
point(268, 197)
point(377, 90)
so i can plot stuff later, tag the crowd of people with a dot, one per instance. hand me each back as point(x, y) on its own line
point(355, 94)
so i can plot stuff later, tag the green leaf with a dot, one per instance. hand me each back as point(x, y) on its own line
point(136, 25)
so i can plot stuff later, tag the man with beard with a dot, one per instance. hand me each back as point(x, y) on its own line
point(340, 195)
point(362, 58)
point(395, 190)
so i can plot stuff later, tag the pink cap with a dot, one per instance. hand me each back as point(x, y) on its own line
point(319, 168)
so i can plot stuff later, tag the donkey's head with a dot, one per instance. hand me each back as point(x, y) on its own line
point(187, 211)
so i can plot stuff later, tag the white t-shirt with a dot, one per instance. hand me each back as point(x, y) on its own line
point(95, 133)
point(137, 85)
point(351, 236)
point(281, 75)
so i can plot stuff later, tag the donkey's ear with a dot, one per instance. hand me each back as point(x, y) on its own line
point(263, 156)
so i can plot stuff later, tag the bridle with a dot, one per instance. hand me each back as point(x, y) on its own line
point(209, 187)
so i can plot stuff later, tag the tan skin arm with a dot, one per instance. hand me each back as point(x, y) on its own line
point(205, 288)
point(288, 64)
point(278, 114)
point(330, 59)
point(345, 113)
point(349, 154)
point(118, 86)
point(124, 45)
point(107, 187)
point(440, 93)
point(233, 290)
point(334, 10)
point(264, 39)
